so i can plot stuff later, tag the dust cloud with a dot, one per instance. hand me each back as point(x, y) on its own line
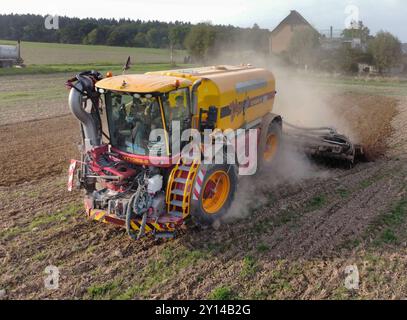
point(309, 104)
point(301, 100)
point(291, 167)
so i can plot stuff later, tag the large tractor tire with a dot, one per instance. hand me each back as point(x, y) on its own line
point(270, 143)
point(217, 193)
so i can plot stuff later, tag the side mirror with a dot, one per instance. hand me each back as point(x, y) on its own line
point(210, 120)
point(212, 117)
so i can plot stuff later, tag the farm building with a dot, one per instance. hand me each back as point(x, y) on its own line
point(281, 36)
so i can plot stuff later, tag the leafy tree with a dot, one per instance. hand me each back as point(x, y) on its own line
point(200, 41)
point(304, 46)
point(97, 36)
point(347, 59)
point(358, 30)
point(176, 35)
point(153, 38)
point(386, 50)
point(140, 40)
point(115, 38)
point(122, 35)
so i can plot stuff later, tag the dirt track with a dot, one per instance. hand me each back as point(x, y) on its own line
point(296, 244)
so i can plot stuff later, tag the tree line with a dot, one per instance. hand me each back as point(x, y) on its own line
point(201, 39)
point(383, 50)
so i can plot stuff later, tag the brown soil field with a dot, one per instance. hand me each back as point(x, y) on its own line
point(370, 118)
point(293, 244)
point(37, 148)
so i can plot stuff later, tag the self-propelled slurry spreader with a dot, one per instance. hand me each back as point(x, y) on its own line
point(133, 168)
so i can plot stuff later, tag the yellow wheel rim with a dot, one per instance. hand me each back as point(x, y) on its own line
point(271, 147)
point(215, 192)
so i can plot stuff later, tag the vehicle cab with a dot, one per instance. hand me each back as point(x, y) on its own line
point(141, 111)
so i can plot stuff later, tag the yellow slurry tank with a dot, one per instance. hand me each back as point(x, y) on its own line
point(241, 94)
point(131, 184)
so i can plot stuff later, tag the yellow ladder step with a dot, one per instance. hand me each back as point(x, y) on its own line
point(176, 203)
point(177, 192)
point(181, 180)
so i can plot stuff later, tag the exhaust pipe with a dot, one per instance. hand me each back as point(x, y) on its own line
point(92, 137)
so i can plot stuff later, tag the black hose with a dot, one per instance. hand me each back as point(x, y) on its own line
point(129, 229)
point(332, 130)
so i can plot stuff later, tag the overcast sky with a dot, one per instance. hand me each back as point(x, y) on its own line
point(390, 15)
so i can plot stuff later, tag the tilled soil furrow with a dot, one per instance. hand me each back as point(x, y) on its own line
point(289, 246)
point(41, 149)
point(324, 230)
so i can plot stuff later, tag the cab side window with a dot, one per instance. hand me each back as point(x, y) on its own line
point(176, 108)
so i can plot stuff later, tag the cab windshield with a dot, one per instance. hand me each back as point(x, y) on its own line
point(132, 117)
